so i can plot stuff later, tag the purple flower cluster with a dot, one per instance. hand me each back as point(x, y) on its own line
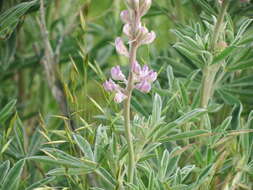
point(142, 77)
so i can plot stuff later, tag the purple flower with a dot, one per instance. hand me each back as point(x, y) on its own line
point(144, 86)
point(110, 85)
point(120, 47)
point(136, 68)
point(119, 97)
point(152, 76)
point(144, 77)
point(117, 74)
point(144, 71)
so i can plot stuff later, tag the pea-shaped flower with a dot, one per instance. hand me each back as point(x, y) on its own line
point(110, 85)
point(117, 74)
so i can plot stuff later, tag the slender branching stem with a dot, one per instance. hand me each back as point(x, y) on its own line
point(127, 104)
point(210, 71)
point(50, 61)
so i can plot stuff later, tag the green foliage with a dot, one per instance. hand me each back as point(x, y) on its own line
point(179, 144)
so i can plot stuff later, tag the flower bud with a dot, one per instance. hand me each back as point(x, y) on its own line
point(142, 32)
point(119, 97)
point(152, 76)
point(110, 85)
point(117, 74)
point(148, 38)
point(144, 86)
point(136, 68)
point(120, 47)
point(127, 30)
point(145, 6)
point(134, 4)
point(220, 46)
point(125, 16)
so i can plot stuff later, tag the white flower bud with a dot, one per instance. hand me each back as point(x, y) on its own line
point(145, 6)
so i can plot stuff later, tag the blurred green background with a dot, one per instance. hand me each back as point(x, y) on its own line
point(81, 35)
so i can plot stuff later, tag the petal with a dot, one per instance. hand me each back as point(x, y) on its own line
point(117, 74)
point(149, 38)
point(120, 47)
point(127, 30)
point(144, 86)
point(152, 76)
point(119, 97)
point(136, 67)
point(110, 85)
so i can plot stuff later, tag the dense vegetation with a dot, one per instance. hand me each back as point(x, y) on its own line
point(60, 129)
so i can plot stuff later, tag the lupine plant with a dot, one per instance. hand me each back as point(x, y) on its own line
point(139, 77)
point(174, 114)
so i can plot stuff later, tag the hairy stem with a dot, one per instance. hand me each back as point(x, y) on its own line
point(131, 164)
point(210, 71)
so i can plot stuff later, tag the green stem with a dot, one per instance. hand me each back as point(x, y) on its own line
point(178, 6)
point(210, 71)
point(218, 26)
point(131, 161)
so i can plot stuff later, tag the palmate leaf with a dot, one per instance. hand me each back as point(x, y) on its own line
point(156, 112)
point(206, 7)
point(228, 98)
point(187, 53)
point(69, 171)
point(164, 130)
point(4, 168)
point(40, 183)
point(84, 146)
point(220, 130)
point(224, 54)
point(60, 158)
point(242, 30)
point(185, 135)
point(10, 18)
point(7, 110)
point(13, 177)
point(8, 51)
point(188, 40)
point(241, 65)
